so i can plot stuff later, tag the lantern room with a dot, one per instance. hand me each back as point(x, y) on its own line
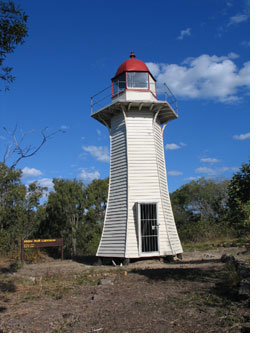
point(133, 81)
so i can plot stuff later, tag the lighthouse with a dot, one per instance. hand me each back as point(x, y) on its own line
point(139, 221)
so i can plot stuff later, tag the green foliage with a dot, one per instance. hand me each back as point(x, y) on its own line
point(76, 212)
point(239, 201)
point(65, 212)
point(19, 207)
point(199, 209)
point(204, 210)
point(13, 30)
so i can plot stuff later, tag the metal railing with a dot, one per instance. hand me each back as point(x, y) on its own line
point(103, 98)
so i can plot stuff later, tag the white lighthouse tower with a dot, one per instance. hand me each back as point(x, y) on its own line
point(139, 221)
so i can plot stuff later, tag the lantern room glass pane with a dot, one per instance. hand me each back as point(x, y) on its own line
point(137, 80)
point(119, 84)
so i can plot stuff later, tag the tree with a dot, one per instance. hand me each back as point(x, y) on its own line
point(203, 198)
point(19, 207)
point(96, 195)
point(65, 212)
point(13, 30)
point(200, 208)
point(76, 212)
point(17, 149)
point(239, 200)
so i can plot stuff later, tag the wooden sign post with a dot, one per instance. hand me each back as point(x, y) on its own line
point(41, 243)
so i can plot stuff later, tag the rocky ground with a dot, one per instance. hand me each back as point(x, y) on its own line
point(207, 291)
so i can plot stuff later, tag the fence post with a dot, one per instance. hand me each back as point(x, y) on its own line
point(22, 251)
point(62, 249)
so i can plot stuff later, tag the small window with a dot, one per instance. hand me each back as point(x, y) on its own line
point(137, 80)
point(119, 84)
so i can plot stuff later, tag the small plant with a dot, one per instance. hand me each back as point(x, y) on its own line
point(15, 266)
point(232, 277)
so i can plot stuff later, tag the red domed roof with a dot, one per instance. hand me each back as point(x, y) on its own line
point(132, 64)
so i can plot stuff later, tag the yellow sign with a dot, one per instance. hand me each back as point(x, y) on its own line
point(29, 246)
point(39, 241)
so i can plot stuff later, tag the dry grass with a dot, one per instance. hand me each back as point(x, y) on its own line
point(66, 296)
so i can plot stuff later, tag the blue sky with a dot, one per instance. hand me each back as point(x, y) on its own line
point(201, 49)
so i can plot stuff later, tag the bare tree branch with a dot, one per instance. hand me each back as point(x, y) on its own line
point(15, 146)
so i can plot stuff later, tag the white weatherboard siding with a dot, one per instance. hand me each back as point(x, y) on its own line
point(113, 238)
point(143, 183)
point(147, 182)
point(136, 95)
point(172, 235)
point(137, 175)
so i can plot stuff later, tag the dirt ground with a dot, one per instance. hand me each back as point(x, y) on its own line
point(146, 296)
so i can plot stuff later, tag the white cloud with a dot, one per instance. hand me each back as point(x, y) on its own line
point(242, 137)
point(191, 178)
point(30, 172)
point(172, 146)
point(184, 33)
point(204, 170)
point(46, 182)
point(233, 55)
point(209, 160)
point(204, 77)
point(211, 171)
point(99, 152)
point(175, 173)
point(88, 176)
point(154, 68)
point(237, 19)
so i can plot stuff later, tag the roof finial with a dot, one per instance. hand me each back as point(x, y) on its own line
point(132, 54)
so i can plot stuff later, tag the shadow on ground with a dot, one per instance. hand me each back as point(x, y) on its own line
point(177, 274)
point(7, 286)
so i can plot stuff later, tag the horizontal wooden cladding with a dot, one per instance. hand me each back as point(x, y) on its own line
point(115, 204)
point(117, 240)
point(118, 169)
point(118, 178)
point(142, 172)
point(115, 220)
point(114, 249)
point(113, 237)
point(139, 134)
point(173, 238)
point(119, 188)
point(111, 253)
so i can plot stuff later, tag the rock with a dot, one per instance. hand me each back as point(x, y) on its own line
point(209, 256)
point(32, 278)
point(244, 271)
point(105, 282)
point(227, 258)
point(226, 245)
